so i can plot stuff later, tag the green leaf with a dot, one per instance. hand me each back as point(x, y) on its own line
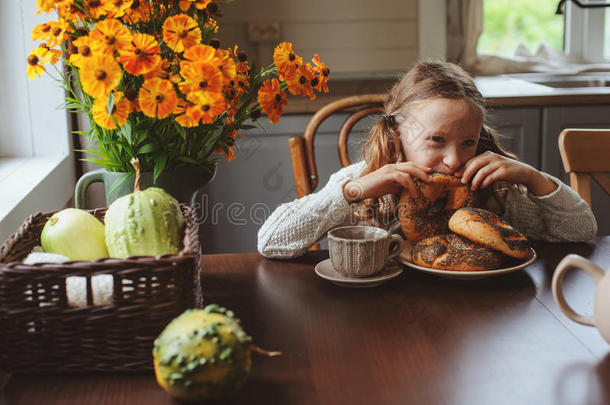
point(126, 131)
point(180, 129)
point(89, 151)
point(142, 125)
point(146, 148)
point(102, 162)
point(160, 163)
point(110, 102)
point(188, 160)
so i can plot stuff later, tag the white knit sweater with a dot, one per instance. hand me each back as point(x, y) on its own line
point(294, 226)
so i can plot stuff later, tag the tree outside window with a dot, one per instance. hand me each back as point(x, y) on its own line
point(507, 23)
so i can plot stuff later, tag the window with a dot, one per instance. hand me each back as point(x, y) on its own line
point(582, 33)
point(508, 23)
point(36, 164)
point(587, 33)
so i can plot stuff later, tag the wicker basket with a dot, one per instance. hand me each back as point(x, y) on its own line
point(41, 333)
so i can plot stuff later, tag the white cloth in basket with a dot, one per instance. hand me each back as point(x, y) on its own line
point(76, 286)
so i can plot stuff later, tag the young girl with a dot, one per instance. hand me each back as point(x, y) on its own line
point(434, 120)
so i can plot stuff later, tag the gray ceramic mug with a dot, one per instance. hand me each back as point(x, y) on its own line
point(361, 251)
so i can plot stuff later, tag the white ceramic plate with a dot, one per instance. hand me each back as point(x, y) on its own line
point(405, 258)
point(326, 270)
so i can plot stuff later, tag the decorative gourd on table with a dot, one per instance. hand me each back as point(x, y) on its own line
point(144, 223)
point(202, 354)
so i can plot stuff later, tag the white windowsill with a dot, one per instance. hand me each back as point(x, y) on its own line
point(32, 184)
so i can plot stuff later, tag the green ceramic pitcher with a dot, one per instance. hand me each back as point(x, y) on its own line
point(180, 183)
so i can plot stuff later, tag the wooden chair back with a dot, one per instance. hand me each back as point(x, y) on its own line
point(586, 153)
point(302, 152)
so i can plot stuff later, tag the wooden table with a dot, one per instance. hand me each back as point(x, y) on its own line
point(416, 339)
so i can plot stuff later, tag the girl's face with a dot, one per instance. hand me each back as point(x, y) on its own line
point(441, 133)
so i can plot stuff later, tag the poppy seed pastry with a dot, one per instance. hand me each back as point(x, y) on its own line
point(454, 252)
point(488, 229)
point(436, 201)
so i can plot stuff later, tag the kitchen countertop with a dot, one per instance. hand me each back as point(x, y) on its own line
point(499, 91)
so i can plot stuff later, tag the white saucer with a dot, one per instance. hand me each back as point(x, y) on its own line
point(405, 258)
point(326, 270)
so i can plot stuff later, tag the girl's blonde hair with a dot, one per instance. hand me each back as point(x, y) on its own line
point(426, 80)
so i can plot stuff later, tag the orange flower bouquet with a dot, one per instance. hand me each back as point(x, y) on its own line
point(156, 85)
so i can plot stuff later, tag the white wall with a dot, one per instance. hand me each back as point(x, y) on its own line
point(432, 29)
point(349, 35)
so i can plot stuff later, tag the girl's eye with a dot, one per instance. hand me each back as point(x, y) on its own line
point(469, 142)
point(437, 139)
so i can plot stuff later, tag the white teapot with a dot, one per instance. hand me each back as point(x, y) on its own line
point(601, 278)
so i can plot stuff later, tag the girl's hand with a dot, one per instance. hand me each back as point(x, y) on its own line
point(390, 178)
point(484, 169)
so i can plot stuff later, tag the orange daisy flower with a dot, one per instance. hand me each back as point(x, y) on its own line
point(200, 77)
point(241, 59)
point(184, 114)
point(131, 95)
point(157, 98)
point(286, 60)
point(120, 111)
point(322, 74)
point(240, 84)
point(58, 32)
point(42, 32)
point(202, 4)
point(110, 36)
point(67, 10)
point(139, 11)
point(226, 64)
point(45, 6)
point(83, 51)
point(142, 55)
point(207, 104)
point(227, 149)
point(53, 55)
point(229, 153)
point(99, 75)
point(164, 70)
point(180, 32)
point(97, 8)
point(36, 59)
point(185, 4)
point(199, 53)
point(299, 84)
point(271, 98)
point(118, 9)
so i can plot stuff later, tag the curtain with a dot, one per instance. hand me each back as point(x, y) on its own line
point(464, 27)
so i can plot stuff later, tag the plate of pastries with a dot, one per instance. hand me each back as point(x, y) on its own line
point(448, 235)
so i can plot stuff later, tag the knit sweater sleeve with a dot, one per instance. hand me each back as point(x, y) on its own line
point(294, 226)
point(560, 216)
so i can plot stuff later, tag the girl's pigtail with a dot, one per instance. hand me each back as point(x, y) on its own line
point(489, 141)
point(381, 146)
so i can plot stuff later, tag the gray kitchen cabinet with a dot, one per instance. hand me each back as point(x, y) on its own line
point(518, 129)
point(554, 120)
